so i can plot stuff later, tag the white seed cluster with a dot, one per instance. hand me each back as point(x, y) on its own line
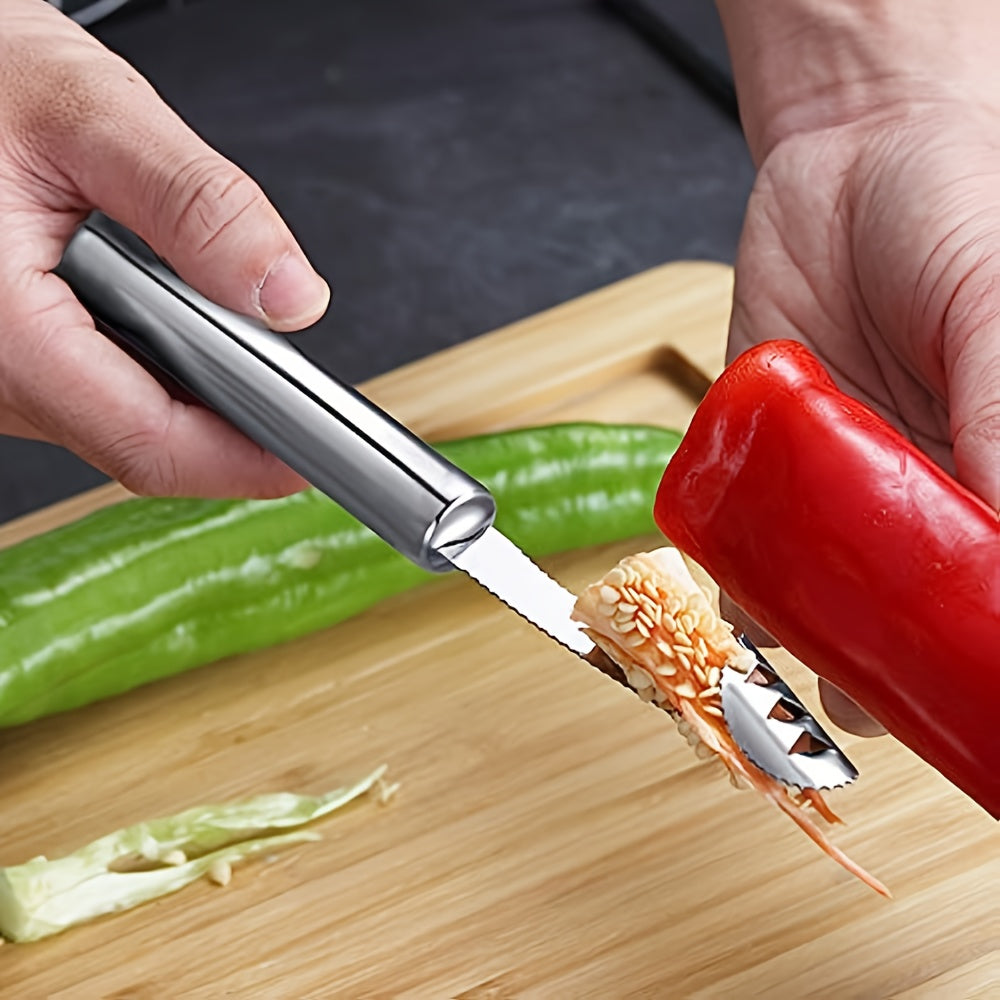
point(664, 631)
point(668, 641)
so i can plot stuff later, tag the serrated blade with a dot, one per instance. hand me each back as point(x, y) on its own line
point(499, 566)
point(777, 732)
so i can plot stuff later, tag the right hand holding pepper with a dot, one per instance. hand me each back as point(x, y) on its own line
point(873, 233)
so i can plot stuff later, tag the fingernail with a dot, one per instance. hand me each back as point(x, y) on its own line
point(292, 295)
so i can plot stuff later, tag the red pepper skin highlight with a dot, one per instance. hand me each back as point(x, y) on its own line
point(858, 553)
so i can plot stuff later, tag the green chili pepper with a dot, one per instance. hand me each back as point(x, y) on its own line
point(151, 587)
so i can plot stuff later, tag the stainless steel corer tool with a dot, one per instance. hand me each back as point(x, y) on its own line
point(396, 484)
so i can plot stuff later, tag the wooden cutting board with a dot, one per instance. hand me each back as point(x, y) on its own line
point(553, 837)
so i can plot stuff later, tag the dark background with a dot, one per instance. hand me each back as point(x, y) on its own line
point(450, 166)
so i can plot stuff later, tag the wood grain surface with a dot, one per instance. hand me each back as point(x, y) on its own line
point(553, 837)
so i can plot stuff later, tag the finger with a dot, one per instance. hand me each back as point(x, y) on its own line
point(743, 623)
point(974, 403)
point(842, 710)
point(847, 714)
point(137, 161)
point(63, 378)
point(15, 425)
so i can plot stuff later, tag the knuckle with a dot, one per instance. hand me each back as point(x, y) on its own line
point(212, 195)
point(141, 462)
point(974, 304)
point(972, 364)
point(976, 442)
point(984, 427)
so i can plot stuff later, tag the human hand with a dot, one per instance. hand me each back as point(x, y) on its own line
point(79, 130)
point(873, 231)
point(878, 245)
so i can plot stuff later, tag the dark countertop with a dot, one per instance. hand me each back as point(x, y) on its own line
point(449, 166)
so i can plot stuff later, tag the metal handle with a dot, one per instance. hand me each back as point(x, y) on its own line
point(334, 437)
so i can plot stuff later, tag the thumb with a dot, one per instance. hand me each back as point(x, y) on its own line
point(142, 165)
point(846, 713)
point(974, 406)
point(743, 623)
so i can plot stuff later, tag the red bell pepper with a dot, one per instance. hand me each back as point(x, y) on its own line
point(857, 552)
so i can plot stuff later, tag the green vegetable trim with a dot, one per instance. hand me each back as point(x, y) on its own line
point(151, 587)
point(43, 897)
